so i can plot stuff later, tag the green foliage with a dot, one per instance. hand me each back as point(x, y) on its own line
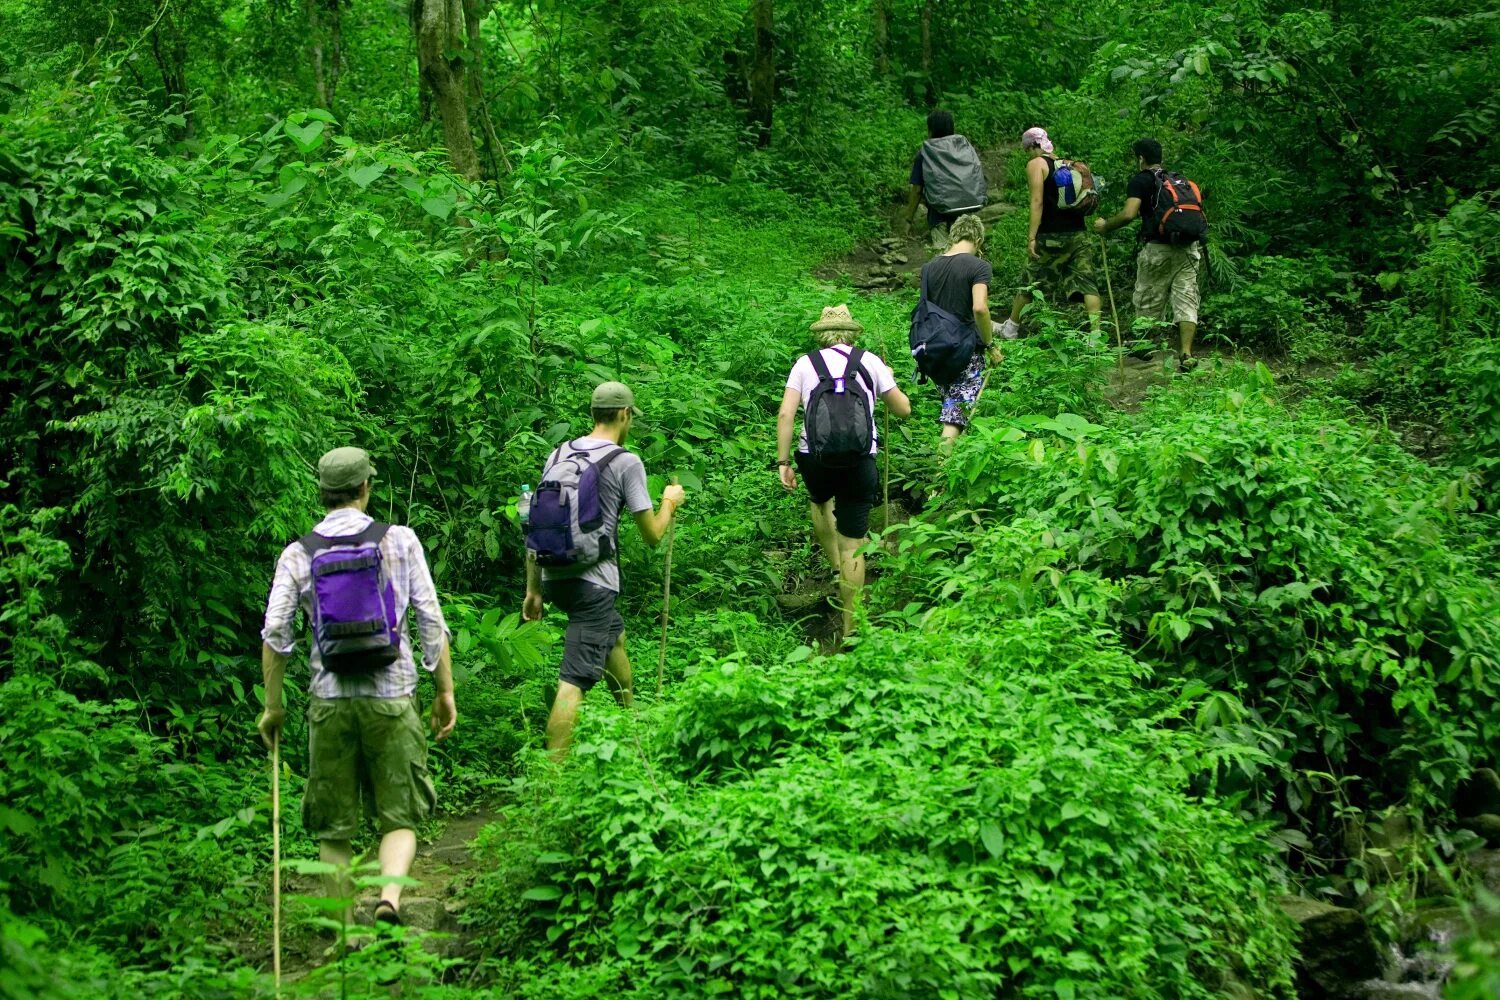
point(914, 819)
point(1308, 568)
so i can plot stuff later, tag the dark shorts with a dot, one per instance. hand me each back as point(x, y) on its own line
point(594, 626)
point(370, 753)
point(853, 491)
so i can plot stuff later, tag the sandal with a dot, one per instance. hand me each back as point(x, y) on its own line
point(386, 913)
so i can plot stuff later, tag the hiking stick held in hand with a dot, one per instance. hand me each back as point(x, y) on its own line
point(276, 861)
point(666, 601)
point(1109, 286)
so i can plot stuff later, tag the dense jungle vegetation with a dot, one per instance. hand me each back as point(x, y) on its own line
point(1130, 674)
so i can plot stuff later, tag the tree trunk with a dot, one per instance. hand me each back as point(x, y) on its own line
point(169, 48)
point(442, 36)
point(474, 12)
point(763, 71)
point(929, 91)
point(882, 38)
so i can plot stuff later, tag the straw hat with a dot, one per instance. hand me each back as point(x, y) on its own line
point(837, 318)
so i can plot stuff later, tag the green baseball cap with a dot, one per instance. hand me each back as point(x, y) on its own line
point(614, 395)
point(344, 468)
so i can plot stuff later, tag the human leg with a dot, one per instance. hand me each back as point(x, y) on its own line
point(560, 722)
point(852, 509)
point(594, 629)
point(823, 531)
point(394, 746)
point(851, 579)
point(959, 399)
point(331, 802)
point(1016, 305)
point(1184, 293)
point(617, 673)
point(398, 849)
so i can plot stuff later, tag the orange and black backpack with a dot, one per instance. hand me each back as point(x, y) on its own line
point(1179, 218)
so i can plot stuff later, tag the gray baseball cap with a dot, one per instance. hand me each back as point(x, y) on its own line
point(613, 395)
point(344, 468)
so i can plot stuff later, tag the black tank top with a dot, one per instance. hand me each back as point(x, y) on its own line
point(1054, 219)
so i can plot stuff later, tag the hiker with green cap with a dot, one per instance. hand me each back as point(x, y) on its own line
point(356, 580)
point(573, 552)
point(835, 388)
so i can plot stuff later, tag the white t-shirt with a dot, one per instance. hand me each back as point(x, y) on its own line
point(804, 378)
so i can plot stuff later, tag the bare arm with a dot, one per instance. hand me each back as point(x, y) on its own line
point(444, 709)
point(981, 303)
point(898, 403)
point(1125, 216)
point(653, 524)
point(1036, 177)
point(273, 674)
point(786, 422)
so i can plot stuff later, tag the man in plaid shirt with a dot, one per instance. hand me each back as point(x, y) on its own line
point(365, 740)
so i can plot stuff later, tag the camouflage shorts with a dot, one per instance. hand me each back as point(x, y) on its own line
point(1063, 267)
point(369, 752)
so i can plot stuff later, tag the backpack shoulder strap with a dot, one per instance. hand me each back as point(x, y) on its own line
point(856, 364)
point(820, 366)
point(313, 543)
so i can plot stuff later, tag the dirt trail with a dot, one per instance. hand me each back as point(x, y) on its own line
point(442, 868)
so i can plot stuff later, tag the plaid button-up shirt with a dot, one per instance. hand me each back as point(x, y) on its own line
point(412, 582)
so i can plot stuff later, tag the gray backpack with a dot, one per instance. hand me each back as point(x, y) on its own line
point(567, 521)
point(952, 176)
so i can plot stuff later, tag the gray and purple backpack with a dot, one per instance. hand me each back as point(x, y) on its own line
point(354, 620)
point(567, 521)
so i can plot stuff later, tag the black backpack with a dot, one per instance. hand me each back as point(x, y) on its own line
point(1178, 214)
point(840, 421)
point(942, 344)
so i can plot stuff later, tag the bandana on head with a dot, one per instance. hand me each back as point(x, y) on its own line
point(1036, 137)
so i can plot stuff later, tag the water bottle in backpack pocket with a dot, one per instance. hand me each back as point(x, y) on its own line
point(840, 419)
point(1077, 191)
point(567, 525)
point(354, 620)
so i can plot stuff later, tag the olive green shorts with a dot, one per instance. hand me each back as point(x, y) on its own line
point(370, 753)
point(1063, 267)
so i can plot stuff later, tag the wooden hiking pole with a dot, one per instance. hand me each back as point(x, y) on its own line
point(886, 441)
point(666, 601)
point(1110, 287)
point(276, 861)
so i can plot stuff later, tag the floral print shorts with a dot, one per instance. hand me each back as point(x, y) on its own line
point(958, 398)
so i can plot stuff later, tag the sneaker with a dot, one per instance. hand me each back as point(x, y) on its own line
point(1010, 329)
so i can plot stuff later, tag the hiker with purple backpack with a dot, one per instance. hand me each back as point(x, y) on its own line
point(356, 579)
point(572, 560)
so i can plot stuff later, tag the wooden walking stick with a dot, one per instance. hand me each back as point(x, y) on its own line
point(1110, 287)
point(886, 440)
point(666, 601)
point(276, 861)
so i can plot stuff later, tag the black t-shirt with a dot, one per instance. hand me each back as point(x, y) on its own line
point(951, 280)
point(1055, 219)
point(1143, 186)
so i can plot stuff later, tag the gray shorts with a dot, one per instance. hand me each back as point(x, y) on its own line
point(594, 626)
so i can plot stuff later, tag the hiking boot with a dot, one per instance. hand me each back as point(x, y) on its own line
point(1010, 329)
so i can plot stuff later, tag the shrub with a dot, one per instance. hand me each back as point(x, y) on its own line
point(944, 812)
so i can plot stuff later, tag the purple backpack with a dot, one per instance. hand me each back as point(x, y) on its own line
point(354, 618)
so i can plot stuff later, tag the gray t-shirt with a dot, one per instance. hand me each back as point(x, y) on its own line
point(623, 486)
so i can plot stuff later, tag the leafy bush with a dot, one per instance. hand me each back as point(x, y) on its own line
point(939, 813)
point(1309, 568)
